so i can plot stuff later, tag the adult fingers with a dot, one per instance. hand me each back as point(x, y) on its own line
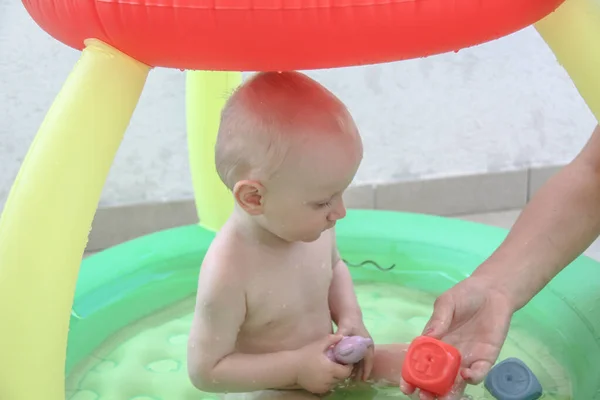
point(441, 318)
point(455, 394)
point(424, 395)
point(476, 373)
point(457, 391)
point(406, 387)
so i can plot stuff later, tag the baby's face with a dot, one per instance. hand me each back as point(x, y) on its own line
point(305, 199)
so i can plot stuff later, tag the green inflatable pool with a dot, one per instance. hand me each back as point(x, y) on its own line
point(146, 287)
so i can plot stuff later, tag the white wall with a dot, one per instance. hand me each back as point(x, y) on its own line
point(499, 106)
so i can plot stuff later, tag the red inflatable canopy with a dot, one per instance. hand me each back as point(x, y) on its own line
point(252, 35)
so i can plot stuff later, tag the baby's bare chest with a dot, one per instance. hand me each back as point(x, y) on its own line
point(284, 288)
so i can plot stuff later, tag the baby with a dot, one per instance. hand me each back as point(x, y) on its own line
point(272, 282)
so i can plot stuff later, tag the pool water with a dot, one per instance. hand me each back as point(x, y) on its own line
point(147, 360)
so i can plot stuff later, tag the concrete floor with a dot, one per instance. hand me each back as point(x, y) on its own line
point(505, 219)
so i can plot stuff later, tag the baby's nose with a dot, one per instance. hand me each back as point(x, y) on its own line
point(338, 212)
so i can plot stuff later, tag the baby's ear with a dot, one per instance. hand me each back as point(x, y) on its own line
point(249, 195)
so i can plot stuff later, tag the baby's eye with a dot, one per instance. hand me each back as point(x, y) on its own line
point(326, 204)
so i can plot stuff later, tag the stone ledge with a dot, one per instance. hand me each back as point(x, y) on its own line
point(449, 196)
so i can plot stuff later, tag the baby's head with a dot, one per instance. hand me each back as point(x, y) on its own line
point(288, 148)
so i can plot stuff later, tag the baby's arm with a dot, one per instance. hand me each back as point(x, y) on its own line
point(345, 310)
point(343, 303)
point(213, 364)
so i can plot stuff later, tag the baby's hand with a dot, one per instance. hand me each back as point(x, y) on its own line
point(355, 327)
point(316, 372)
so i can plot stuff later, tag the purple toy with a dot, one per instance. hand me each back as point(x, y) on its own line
point(349, 350)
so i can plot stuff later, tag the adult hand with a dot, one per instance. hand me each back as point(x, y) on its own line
point(473, 316)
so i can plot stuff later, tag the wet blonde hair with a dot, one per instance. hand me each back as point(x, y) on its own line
point(266, 116)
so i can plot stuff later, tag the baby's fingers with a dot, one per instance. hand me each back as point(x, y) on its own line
point(357, 372)
point(367, 364)
point(342, 372)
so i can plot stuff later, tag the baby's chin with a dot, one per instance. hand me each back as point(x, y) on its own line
point(310, 239)
point(316, 236)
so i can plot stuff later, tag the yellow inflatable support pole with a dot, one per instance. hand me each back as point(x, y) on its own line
point(206, 94)
point(48, 215)
point(573, 34)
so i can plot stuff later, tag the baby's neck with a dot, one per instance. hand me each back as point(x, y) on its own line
point(252, 232)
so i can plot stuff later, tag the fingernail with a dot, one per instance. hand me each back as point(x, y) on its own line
point(464, 374)
point(428, 330)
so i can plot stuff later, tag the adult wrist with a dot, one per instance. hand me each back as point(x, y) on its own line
point(495, 277)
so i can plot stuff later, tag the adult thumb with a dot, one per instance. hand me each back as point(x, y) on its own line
point(439, 323)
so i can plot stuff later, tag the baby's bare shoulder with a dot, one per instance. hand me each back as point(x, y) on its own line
point(224, 267)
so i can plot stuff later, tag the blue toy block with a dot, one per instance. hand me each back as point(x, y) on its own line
point(511, 379)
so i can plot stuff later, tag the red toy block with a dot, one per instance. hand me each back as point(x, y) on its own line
point(431, 365)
